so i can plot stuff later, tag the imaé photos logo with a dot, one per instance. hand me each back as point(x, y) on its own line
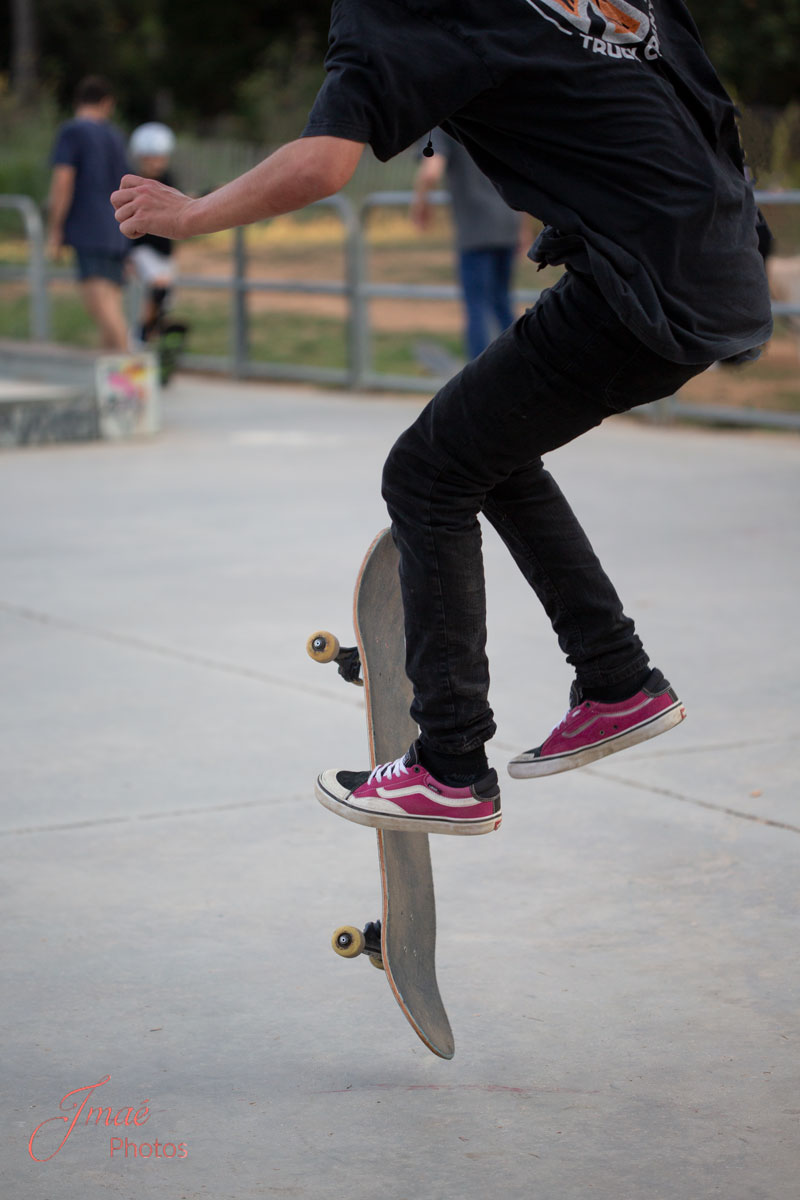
point(45, 1137)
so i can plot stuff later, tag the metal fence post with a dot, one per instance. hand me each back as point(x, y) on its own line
point(40, 306)
point(37, 271)
point(240, 339)
point(359, 347)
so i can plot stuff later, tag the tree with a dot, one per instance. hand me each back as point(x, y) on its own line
point(222, 58)
point(754, 46)
point(213, 49)
point(210, 58)
point(121, 39)
point(24, 74)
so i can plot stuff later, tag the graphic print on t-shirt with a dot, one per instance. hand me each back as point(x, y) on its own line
point(615, 28)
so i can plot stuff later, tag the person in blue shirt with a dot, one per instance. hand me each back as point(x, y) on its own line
point(87, 158)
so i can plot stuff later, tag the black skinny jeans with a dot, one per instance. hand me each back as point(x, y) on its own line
point(476, 448)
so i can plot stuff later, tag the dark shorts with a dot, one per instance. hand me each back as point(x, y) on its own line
point(96, 264)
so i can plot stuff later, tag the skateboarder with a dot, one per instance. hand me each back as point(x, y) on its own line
point(607, 122)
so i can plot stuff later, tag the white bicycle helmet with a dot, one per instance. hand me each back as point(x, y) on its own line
point(153, 139)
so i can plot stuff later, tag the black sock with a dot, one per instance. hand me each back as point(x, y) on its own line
point(456, 770)
point(623, 691)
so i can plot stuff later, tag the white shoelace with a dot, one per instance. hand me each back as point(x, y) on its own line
point(392, 770)
point(565, 718)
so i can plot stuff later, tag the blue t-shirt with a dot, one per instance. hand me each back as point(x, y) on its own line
point(97, 152)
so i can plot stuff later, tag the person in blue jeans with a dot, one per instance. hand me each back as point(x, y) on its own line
point(608, 123)
point(487, 236)
point(87, 159)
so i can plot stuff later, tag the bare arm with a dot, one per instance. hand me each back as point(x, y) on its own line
point(62, 189)
point(299, 173)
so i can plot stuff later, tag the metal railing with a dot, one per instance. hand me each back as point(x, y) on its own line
point(367, 376)
point(357, 290)
point(239, 285)
point(38, 299)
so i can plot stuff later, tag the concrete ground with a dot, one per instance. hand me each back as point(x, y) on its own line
point(619, 961)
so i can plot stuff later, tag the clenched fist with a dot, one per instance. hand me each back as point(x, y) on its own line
point(147, 206)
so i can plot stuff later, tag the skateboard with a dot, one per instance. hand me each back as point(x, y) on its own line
point(172, 337)
point(403, 941)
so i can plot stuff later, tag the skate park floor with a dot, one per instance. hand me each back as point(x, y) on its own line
point(619, 960)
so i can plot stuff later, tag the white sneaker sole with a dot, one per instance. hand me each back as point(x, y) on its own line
point(364, 816)
point(531, 768)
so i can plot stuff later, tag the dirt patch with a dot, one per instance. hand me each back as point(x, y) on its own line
point(772, 383)
point(417, 261)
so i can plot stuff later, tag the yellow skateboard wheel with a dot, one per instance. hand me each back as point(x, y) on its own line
point(348, 941)
point(322, 646)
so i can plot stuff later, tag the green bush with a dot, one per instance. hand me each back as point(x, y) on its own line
point(25, 141)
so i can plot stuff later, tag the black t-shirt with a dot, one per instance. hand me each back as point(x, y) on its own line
point(602, 118)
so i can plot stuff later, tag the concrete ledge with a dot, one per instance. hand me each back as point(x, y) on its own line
point(48, 363)
point(53, 393)
point(38, 413)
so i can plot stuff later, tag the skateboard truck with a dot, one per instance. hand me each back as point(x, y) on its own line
point(324, 647)
point(349, 942)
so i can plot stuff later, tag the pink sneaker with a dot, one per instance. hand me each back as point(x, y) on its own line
point(592, 730)
point(404, 795)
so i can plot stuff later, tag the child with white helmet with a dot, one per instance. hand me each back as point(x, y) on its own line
point(151, 147)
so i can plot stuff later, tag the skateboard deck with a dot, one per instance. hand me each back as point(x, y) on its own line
point(407, 930)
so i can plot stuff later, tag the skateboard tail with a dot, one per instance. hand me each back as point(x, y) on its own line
point(436, 1034)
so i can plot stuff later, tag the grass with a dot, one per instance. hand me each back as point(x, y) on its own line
point(310, 247)
point(318, 341)
point(275, 337)
point(69, 321)
point(321, 341)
